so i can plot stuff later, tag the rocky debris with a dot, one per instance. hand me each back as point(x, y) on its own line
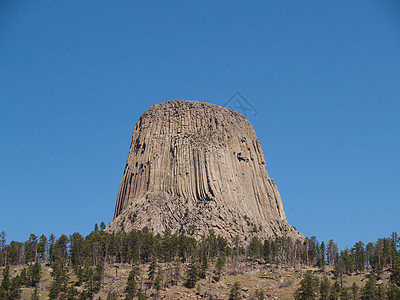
point(193, 167)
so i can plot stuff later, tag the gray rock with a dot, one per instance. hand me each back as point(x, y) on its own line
point(196, 166)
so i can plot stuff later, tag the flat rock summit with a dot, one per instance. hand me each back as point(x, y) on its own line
point(194, 166)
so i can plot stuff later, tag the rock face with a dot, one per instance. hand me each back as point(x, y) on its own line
point(195, 166)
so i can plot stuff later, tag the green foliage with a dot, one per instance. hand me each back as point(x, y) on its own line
point(159, 279)
point(192, 275)
point(10, 288)
point(308, 287)
point(369, 291)
point(324, 288)
point(15, 291)
point(153, 269)
point(395, 272)
point(59, 286)
point(131, 289)
point(235, 292)
point(221, 261)
point(34, 274)
point(5, 284)
point(86, 257)
point(112, 296)
point(393, 292)
point(355, 291)
point(102, 226)
point(204, 265)
point(335, 291)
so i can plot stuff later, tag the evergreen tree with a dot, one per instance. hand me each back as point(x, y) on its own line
point(176, 275)
point(96, 228)
point(354, 291)
point(369, 291)
point(31, 248)
point(15, 290)
point(3, 244)
point(393, 292)
point(395, 272)
point(308, 287)
point(34, 274)
point(235, 292)
point(5, 284)
point(24, 277)
point(359, 256)
point(204, 265)
point(42, 248)
point(153, 269)
point(380, 292)
point(131, 288)
point(112, 296)
point(345, 294)
point(335, 291)
point(59, 285)
point(324, 289)
point(321, 256)
point(102, 226)
point(191, 275)
point(159, 279)
point(220, 264)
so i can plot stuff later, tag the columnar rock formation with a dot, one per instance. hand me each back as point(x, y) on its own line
point(195, 166)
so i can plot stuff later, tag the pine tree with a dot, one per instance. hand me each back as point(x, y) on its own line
point(5, 284)
point(335, 291)
point(159, 279)
point(393, 292)
point(34, 274)
point(15, 291)
point(308, 287)
point(96, 228)
point(220, 264)
point(235, 292)
point(60, 279)
point(191, 275)
point(204, 265)
point(354, 291)
point(345, 293)
point(325, 288)
point(380, 292)
point(112, 296)
point(153, 269)
point(102, 226)
point(42, 248)
point(3, 244)
point(369, 291)
point(131, 288)
point(176, 275)
point(395, 272)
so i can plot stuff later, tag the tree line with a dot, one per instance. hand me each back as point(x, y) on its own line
point(86, 258)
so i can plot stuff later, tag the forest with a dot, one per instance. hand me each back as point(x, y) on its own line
point(78, 264)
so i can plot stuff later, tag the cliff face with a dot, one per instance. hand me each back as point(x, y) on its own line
point(196, 166)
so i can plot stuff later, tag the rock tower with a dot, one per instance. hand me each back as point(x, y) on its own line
point(194, 166)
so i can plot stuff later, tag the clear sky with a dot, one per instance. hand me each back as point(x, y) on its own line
point(324, 77)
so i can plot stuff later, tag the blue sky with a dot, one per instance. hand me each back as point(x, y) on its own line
point(324, 76)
